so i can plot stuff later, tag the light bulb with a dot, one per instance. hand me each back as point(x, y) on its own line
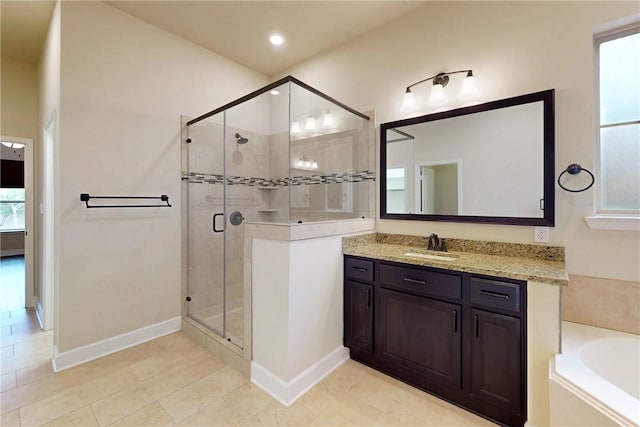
point(437, 97)
point(295, 128)
point(307, 164)
point(408, 101)
point(276, 39)
point(310, 124)
point(314, 165)
point(469, 90)
point(327, 120)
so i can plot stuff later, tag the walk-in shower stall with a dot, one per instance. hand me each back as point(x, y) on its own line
point(284, 154)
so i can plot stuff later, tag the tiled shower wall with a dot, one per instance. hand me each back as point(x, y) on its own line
point(259, 186)
point(605, 303)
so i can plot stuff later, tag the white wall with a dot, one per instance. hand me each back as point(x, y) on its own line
point(19, 99)
point(124, 85)
point(514, 48)
point(49, 109)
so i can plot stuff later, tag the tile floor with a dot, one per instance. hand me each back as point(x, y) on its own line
point(11, 283)
point(172, 381)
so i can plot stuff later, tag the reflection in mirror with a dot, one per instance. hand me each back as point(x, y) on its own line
point(489, 163)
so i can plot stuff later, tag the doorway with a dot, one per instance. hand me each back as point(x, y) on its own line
point(16, 224)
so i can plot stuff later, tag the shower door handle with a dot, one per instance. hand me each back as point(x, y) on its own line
point(215, 230)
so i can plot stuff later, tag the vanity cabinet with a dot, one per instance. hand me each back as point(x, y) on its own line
point(457, 335)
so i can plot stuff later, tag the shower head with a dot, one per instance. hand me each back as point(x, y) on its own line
point(241, 139)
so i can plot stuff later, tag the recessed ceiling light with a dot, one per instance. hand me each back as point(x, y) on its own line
point(276, 39)
point(274, 92)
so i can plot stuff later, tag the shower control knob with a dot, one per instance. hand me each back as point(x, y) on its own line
point(188, 299)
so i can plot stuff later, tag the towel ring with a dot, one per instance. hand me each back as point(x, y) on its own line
point(574, 169)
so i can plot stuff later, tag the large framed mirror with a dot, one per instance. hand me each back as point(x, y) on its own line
point(487, 163)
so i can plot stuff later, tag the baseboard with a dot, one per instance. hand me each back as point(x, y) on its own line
point(11, 252)
point(288, 392)
point(84, 354)
point(39, 312)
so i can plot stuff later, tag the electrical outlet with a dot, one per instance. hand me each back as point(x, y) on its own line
point(541, 234)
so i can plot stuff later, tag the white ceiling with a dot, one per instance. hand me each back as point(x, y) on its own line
point(237, 30)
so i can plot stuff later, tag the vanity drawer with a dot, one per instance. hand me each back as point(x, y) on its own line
point(496, 294)
point(358, 269)
point(420, 281)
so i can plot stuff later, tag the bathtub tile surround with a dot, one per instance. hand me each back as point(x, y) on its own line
point(541, 266)
point(605, 303)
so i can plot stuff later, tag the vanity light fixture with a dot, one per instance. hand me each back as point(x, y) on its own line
point(310, 124)
point(295, 128)
point(327, 120)
point(306, 163)
point(468, 92)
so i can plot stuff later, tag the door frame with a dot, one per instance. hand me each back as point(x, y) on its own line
point(418, 188)
point(29, 210)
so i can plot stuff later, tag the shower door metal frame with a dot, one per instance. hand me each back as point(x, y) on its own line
point(221, 333)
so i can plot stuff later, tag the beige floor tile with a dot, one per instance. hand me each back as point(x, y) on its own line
point(25, 327)
point(278, 415)
point(328, 404)
point(346, 376)
point(378, 393)
point(34, 372)
point(18, 337)
point(82, 417)
point(5, 331)
point(152, 415)
point(10, 419)
point(248, 399)
point(219, 413)
point(8, 381)
point(126, 402)
point(192, 398)
point(38, 381)
point(76, 397)
point(7, 352)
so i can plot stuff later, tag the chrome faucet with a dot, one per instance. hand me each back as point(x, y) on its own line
point(436, 244)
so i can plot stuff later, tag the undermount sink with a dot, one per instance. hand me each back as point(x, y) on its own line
point(429, 256)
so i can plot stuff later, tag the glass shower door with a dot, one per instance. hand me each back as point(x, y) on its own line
point(205, 223)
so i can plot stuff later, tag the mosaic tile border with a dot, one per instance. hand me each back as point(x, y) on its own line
point(335, 178)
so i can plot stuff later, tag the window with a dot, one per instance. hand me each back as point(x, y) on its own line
point(618, 70)
point(11, 209)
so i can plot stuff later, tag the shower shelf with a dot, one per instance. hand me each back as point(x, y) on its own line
point(268, 210)
point(267, 188)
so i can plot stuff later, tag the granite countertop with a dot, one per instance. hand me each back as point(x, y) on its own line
point(537, 263)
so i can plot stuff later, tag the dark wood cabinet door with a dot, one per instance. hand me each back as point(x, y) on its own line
point(420, 337)
point(496, 360)
point(358, 316)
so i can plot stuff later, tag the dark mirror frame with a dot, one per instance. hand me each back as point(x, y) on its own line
point(548, 217)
